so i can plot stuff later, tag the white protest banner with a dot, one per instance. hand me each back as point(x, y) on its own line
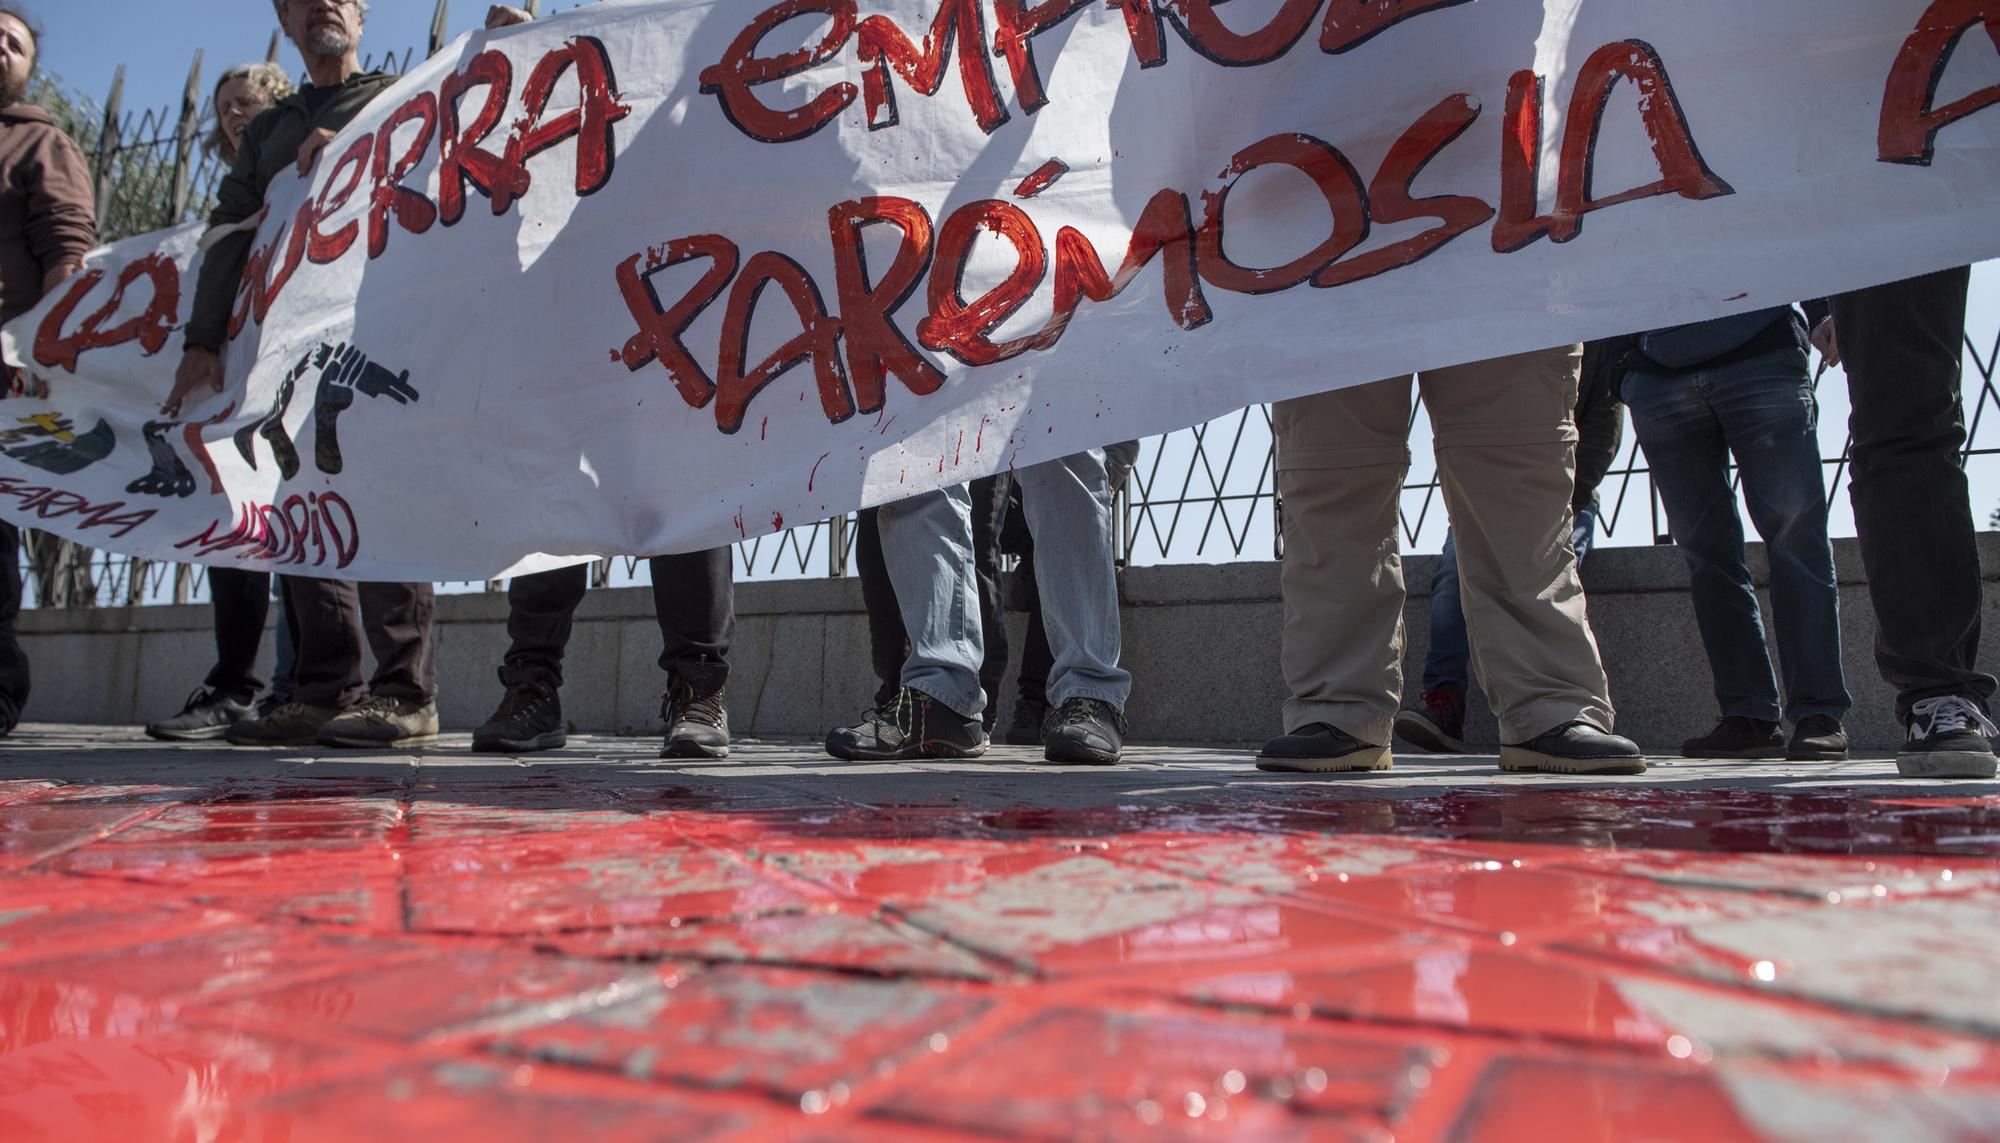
point(649, 277)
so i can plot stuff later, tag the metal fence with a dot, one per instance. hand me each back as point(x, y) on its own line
point(1204, 494)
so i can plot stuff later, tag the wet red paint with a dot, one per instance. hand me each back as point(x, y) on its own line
point(611, 949)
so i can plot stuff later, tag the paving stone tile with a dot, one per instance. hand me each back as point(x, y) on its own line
point(787, 1033)
point(494, 1104)
point(1080, 1073)
point(485, 989)
point(832, 936)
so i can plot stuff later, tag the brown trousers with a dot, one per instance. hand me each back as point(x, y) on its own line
point(1506, 456)
point(334, 617)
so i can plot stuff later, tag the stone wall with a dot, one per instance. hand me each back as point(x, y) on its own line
point(1201, 640)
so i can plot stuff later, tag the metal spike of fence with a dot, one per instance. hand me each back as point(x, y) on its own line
point(438, 19)
point(107, 141)
point(184, 138)
point(271, 53)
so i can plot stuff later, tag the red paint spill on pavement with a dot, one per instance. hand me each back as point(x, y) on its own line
point(613, 948)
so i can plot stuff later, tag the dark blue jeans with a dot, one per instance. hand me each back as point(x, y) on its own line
point(1445, 665)
point(1763, 412)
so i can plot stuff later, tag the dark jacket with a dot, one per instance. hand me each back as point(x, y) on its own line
point(46, 217)
point(1600, 417)
point(270, 147)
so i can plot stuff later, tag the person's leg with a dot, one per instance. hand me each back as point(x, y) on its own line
point(927, 546)
point(888, 645)
point(1771, 417)
point(284, 651)
point(1068, 503)
point(1038, 659)
point(541, 614)
point(1445, 663)
point(1687, 451)
point(401, 708)
point(328, 671)
point(1583, 537)
point(14, 674)
point(239, 602)
point(990, 497)
point(1437, 724)
point(1506, 452)
point(1902, 344)
point(1342, 457)
point(694, 599)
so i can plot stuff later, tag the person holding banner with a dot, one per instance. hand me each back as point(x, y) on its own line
point(1506, 456)
point(328, 706)
point(47, 223)
point(240, 600)
point(928, 546)
point(1739, 387)
point(1902, 344)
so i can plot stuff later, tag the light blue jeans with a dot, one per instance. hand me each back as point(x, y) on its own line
point(927, 545)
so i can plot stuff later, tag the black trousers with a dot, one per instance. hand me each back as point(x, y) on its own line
point(1902, 345)
point(241, 601)
point(888, 642)
point(694, 599)
point(13, 660)
point(333, 617)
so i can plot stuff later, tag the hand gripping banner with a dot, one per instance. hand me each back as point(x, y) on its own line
point(650, 277)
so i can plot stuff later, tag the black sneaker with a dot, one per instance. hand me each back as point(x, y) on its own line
point(915, 725)
point(1575, 748)
point(208, 715)
point(529, 718)
point(1026, 728)
point(1322, 748)
point(1738, 736)
point(1818, 738)
point(1085, 731)
point(697, 722)
point(1950, 737)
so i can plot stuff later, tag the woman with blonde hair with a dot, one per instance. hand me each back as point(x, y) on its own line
point(243, 93)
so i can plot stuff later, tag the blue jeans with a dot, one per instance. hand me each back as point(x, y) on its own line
point(927, 545)
point(1445, 664)
point(1763, 411)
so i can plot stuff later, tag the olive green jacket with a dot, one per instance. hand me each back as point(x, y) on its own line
point(270, 147)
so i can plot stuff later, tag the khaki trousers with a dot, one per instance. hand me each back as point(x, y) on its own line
point(1506, 456)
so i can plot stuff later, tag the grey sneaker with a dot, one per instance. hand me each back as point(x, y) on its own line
point(207, 715)
point(1322, 748)
point(1949, 737)
point(697, 723)
point(1575, 748)
point(382, 721)
point(293, 724)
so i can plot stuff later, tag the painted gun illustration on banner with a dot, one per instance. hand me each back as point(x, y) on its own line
point(343, 371)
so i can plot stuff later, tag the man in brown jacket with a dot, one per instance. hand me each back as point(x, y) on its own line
point(330, 705)
point(46, 224)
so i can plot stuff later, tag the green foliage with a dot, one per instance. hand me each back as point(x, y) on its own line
point(140, 191)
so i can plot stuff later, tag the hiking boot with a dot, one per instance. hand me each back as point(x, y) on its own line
point(915, 725)
point(1322, 748)
point(1026, 728)
point(207, 715)
point(382, 721)
point(1950, 737)
point(1738, 736)
point(1439, 727)
point(1085, 731)
point(697, 722)
point(529, 718)
point(1575, 748)
point(293, 724)
point(1818, 738)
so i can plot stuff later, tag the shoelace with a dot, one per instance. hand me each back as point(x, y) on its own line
point(1950, 714)
point(685, 703)
point(520, 698)
point(202, 696)
point(381, 706)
